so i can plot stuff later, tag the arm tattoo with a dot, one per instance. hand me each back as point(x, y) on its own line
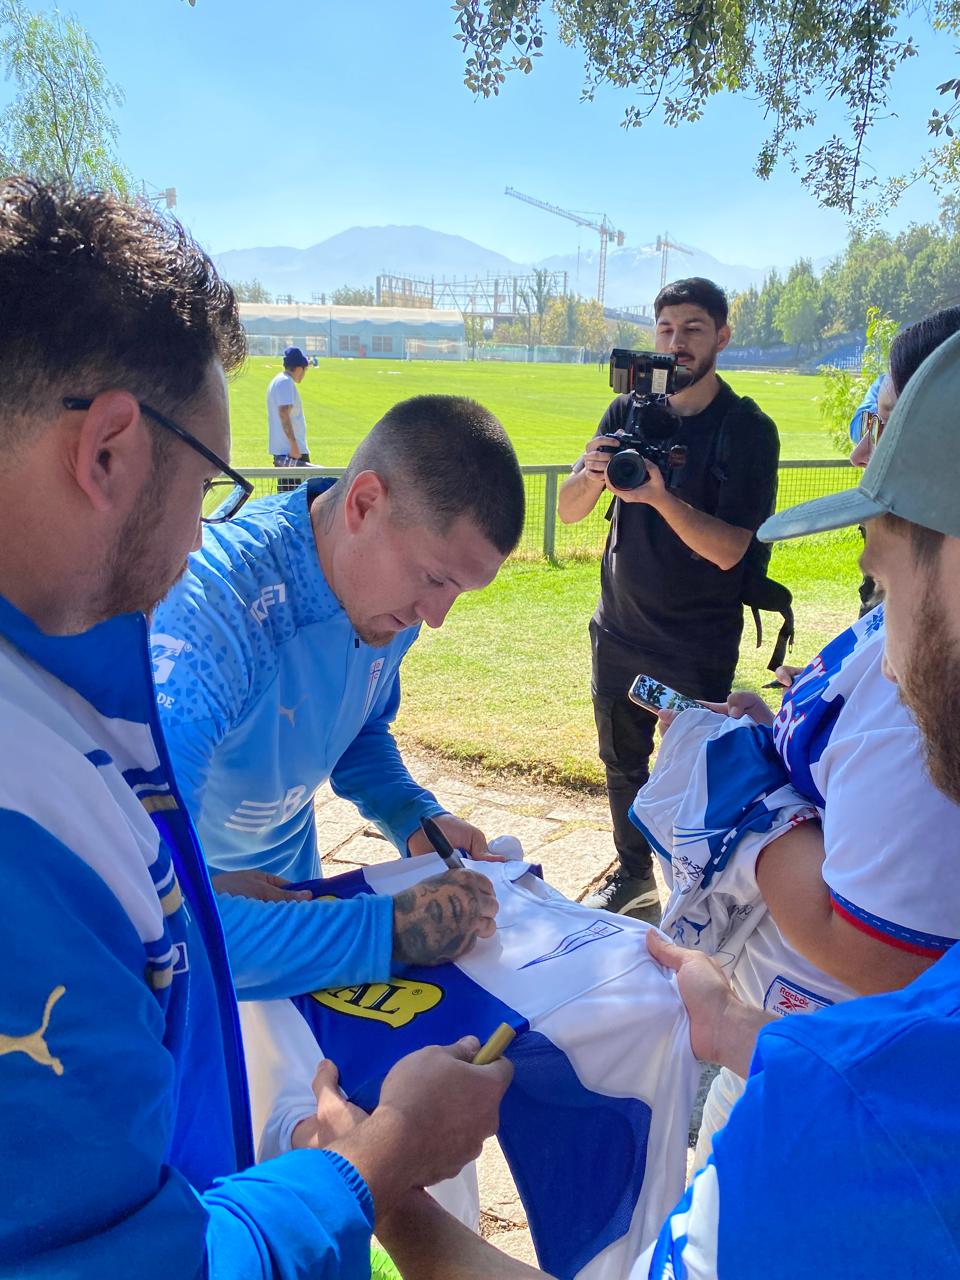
point(436, 920)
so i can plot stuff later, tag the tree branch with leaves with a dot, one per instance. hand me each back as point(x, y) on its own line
point(673, 56)
point(60, 124)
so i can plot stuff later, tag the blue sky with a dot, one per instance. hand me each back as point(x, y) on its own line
point(285, 124)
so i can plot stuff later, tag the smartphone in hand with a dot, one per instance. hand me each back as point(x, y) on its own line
point(654, 696)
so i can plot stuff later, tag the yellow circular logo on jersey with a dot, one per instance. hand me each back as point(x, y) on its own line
point(396, 1002)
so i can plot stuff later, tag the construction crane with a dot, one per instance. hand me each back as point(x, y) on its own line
point(608, 234)
point(664, 245)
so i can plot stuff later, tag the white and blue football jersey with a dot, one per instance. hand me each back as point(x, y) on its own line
point(843, 741)
point(594, 1126)
point(890, 837)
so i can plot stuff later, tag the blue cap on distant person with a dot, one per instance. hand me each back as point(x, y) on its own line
point(912, 473)
point(293, 358)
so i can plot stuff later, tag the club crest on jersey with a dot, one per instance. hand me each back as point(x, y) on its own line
point(396, 1002)
point(784, 997)
point(164, 652)
point(595, 932)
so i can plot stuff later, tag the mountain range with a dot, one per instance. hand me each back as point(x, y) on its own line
point(356, 256)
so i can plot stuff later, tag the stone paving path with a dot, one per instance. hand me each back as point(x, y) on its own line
point(567, 833)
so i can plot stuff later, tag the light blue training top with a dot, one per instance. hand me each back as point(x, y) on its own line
point(265, 691)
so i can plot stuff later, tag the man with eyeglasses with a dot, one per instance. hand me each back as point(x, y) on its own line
point(124, 1117)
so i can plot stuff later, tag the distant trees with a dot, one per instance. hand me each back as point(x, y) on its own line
point(528, 327)
point(251, 291)
point(566, 322)
point(353, 296)
point(905, 276)
point(744, 313)
point(632, 336)
point(575, 322)
point(473, 330)
point(797, 314)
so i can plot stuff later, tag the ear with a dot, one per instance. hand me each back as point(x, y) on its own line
point(111, 453)
point(723, 337)
point(366, 498)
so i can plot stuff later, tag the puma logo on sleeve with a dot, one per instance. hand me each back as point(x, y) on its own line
point(34, 1045)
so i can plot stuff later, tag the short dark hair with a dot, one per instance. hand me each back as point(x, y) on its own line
point(912, 345)
point(99, 292)
point(696, 291)
point(443, 457)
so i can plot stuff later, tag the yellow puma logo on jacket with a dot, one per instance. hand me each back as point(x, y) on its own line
point(34, 1045)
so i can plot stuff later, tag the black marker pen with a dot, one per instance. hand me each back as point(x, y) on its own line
point(440, 842)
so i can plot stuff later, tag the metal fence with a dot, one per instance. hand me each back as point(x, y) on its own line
point(546, 535)
point(398, 346)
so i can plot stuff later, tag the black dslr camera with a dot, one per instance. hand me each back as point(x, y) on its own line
point(648, 378)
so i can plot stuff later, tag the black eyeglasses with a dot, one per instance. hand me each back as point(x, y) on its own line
point(224, 495)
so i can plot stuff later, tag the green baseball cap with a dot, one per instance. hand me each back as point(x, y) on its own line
point(914, 471)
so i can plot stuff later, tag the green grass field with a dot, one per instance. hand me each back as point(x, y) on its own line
point(505, 683)
point(548, 410)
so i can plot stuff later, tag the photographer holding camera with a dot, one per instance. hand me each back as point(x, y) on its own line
point(692, 468)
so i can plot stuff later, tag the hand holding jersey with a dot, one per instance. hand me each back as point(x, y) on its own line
point(259, 885)
point(334, 1116)
point(435, 1111)
point(723, 1028)
point(577, 985)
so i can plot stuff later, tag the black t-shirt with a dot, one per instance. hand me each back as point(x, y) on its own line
point(656, 595)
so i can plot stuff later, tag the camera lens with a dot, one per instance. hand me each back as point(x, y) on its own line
point(626, 470)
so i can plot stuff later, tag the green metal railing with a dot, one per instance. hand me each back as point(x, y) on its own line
point(545, 535)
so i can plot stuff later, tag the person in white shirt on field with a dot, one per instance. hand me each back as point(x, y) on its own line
point(288, 427)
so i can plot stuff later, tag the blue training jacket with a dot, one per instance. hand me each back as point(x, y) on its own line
point(265, 692)
point(124, 1122)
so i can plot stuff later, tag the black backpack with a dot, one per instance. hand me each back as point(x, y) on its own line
point(759, 592)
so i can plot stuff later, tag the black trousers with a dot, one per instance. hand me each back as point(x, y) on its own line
point(626, 733)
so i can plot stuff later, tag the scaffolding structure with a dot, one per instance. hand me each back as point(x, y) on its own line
point(492, 298)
